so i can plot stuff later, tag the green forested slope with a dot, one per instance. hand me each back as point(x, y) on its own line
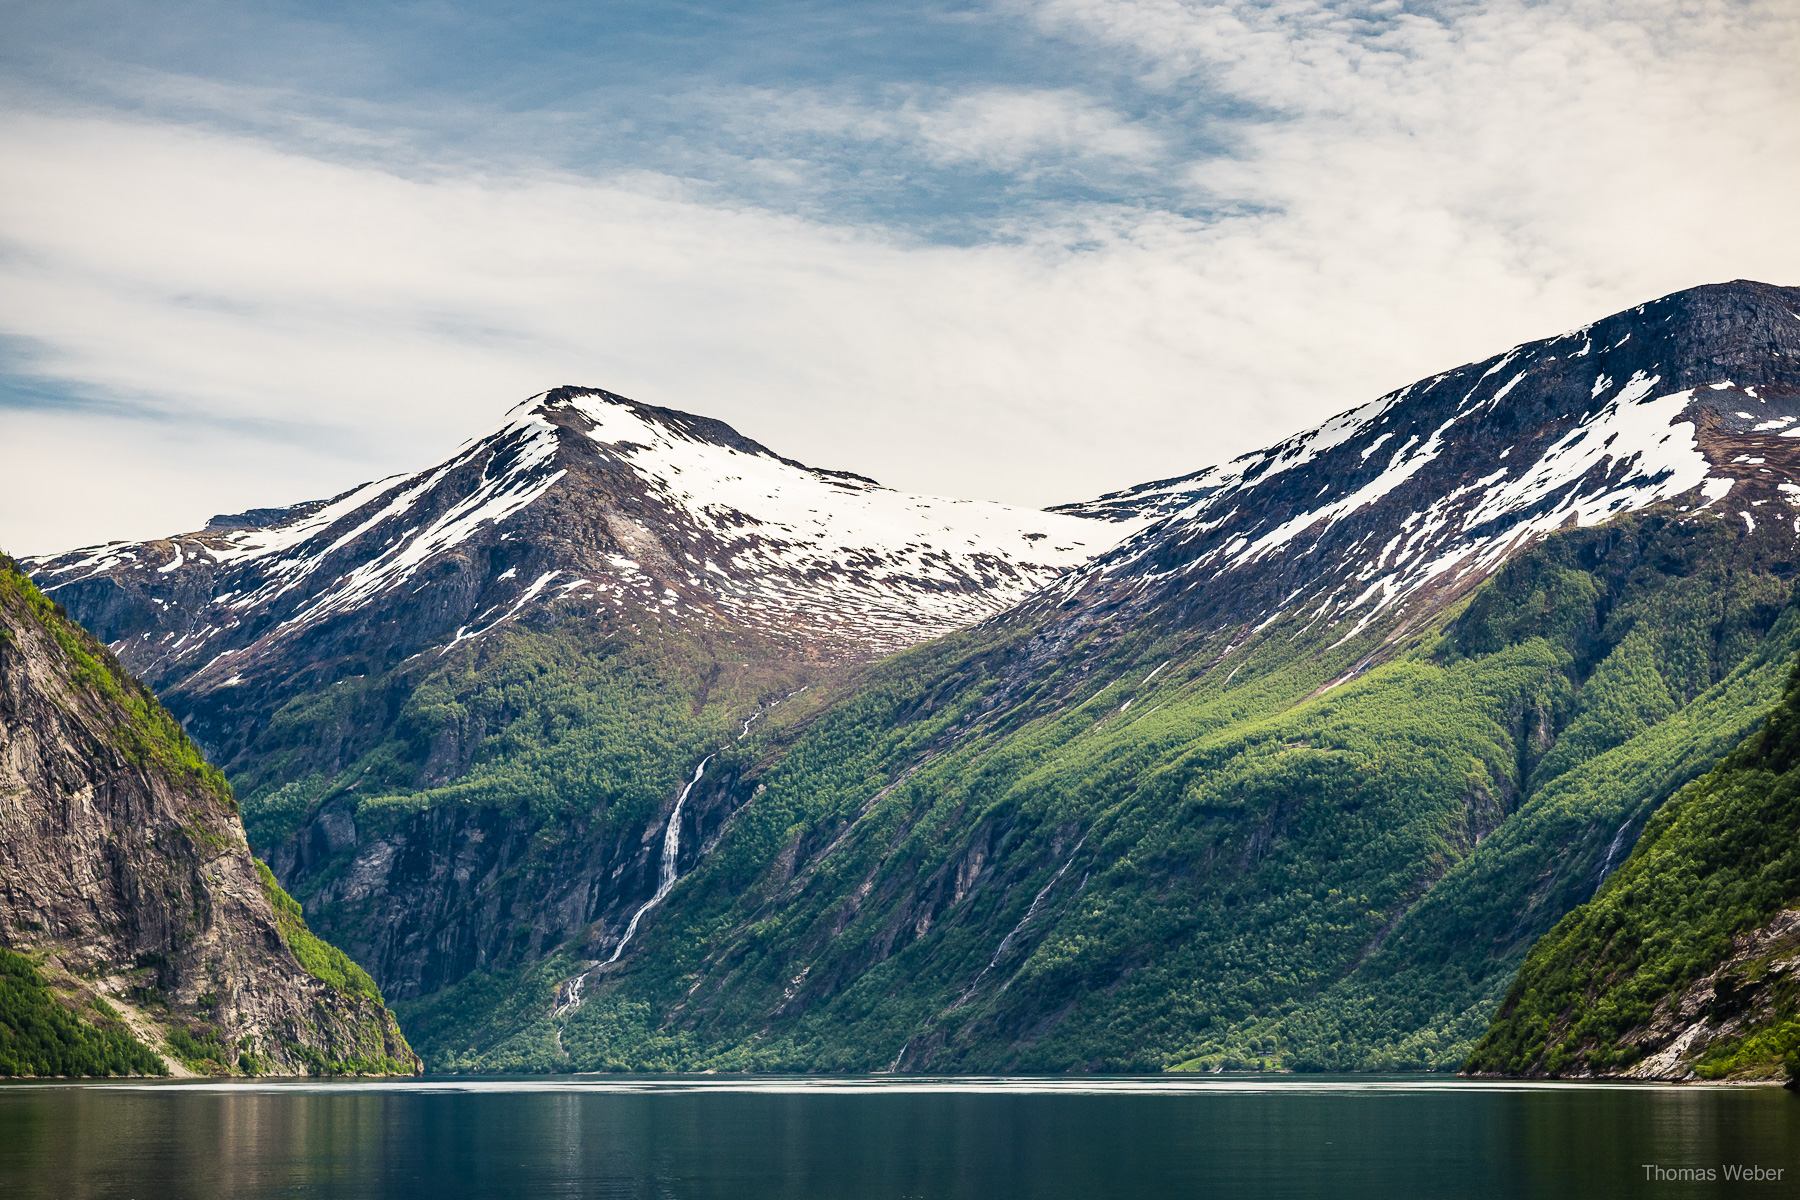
point(1686, 935)
point(544, 721)
point(496, 797)
point(1178, 851)
point(42, 1035)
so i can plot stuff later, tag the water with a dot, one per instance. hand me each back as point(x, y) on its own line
point(876, 1140)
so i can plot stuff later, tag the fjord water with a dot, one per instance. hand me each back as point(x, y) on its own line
point(812, 1138)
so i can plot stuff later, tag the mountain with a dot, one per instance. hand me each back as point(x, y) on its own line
point(458, 704)
point(1293, 776)
point(137, 934)
point(1683, 964)
point(581, 502)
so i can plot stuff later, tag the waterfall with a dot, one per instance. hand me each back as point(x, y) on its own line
point(1023, 921)
point(1612, 851)
point(665, 879)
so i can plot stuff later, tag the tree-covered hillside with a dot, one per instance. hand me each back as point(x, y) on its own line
point(1684, 962)
point(40, 1034)
point(1181, 852)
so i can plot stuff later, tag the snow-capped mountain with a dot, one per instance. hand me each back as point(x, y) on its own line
point(1387, 511)
point(582, 501)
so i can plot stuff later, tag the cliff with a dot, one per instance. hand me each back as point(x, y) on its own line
point(130, 906)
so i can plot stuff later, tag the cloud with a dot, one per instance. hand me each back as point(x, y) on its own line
point(1275, 213)
point(999, 129)
point(1599, 141)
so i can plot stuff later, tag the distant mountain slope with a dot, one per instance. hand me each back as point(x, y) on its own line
point(583, 500)
point(453, 701)
point(128, 897)
point(1684, 963)
point(1294, 775)
point(1400, 506)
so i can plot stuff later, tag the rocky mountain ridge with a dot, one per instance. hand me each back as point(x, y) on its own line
point(582, 500)
point(1396, 508)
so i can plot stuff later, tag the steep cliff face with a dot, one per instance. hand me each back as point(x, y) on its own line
point(125, 875)
point(431, 896)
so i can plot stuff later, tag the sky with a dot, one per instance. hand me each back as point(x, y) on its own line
point(1021, 250)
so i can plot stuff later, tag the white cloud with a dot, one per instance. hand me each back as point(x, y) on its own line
point(1011, 129)
point(1411, 194)
point(995, 129)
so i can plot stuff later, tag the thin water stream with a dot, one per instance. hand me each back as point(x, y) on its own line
point(671, 857)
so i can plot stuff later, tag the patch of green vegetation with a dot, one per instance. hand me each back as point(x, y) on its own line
point(575, 730)
point(143, 730)
point(1719, 860)
point(198, 1047)
point(577, 718)
point(322, 960)
point(319, 1063)
point(40, 1035)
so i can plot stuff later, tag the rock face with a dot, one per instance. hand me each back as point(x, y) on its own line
point(459, 889)
point(1751, 992)
point(124, 870)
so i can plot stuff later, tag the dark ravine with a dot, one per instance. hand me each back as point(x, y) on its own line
point(426, 900)
point(127, 881)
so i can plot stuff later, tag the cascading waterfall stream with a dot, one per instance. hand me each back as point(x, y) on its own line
point(671, 851)
point(1000, 950)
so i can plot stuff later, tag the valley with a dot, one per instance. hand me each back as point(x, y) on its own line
point(619, 742)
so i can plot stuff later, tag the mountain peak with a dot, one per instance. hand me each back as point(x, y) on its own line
point(609, 417)
point(1393, 508)
point(582, 503)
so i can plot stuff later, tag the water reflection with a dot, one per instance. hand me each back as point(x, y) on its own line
point(828, 1139)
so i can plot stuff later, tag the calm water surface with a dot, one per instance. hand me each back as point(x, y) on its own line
point(981, 1139)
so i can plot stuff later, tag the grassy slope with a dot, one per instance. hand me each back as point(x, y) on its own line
point(1719, 860)
point(1250, 872)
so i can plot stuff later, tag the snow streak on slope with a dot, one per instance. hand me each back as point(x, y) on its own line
point(588, 498)
point(1429, 489)
point(770, 534)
